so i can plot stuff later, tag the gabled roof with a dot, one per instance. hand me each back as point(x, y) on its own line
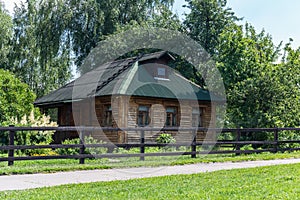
point(126, 77)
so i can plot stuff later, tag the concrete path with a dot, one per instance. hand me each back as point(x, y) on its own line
point(20, 182)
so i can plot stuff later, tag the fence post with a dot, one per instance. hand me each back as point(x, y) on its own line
point(193, 146)
point(238, 138)
point(11, 143)
point(276, 140)
point(82, 147)
point(142, 145)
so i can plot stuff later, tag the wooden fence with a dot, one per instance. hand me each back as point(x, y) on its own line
point(273, 145)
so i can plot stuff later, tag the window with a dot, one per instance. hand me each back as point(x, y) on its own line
point(161, 72)
point(53, 113)
point(171, 116)
point(143, 118)
point(197, 117)
point(108, 115)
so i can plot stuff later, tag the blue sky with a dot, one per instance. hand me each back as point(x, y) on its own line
point(280, 18)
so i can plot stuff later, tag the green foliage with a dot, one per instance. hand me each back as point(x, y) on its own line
point(15, 98)
point(33, 137)
point(246, 147)
point(6, 28)
point(75, 151)
point(289, 135)
point(127, 151)
point(288, 77)
point(207, 20)
point(50, 36)
point(226, 136)
point(259, 92)
point(165, 138)
point(93, 20)
point(41, 55)
point(69, 151)
point(94, 150)
point(204, 23)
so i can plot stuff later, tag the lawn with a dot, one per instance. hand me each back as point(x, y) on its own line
point(275, 182)
point(49, 166)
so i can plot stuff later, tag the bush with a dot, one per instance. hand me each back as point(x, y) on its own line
point(165, 138)
point(69, 151)
point(246, 147)
point(33, 137)
point(289, 135)
point(75, 151)
point(15, 98)
point(226, 136)
point(95, 150)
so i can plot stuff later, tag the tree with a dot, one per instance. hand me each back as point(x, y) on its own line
point(259, 92)
point(207, 20)
point(41, 55)
point(6, 35)
point(288, 74)
point(16, 99)
point(94, 20)
point(50, 35)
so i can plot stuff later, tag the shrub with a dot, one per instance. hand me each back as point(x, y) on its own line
point(15, 98)
point(246, 147)
point(69, 151)
point(289, 135)
point(75, 151)
point(33, 137)
point(165, 138)
point(94, 150)
point(226, 136)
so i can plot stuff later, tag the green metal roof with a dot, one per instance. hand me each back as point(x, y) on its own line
point(134, 81)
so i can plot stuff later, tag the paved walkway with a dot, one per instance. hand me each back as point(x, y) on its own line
point(20, 182)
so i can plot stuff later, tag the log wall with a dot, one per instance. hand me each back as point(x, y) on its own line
point(124, 112)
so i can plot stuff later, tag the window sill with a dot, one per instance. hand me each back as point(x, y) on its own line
point(161, 79)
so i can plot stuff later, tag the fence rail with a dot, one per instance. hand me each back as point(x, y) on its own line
point(272, 145)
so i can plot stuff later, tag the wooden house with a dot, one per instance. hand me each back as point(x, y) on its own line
point(131, 93)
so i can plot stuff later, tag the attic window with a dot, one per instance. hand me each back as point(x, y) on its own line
point(161, 72)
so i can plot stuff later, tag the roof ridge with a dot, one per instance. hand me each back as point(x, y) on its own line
point(133, 57)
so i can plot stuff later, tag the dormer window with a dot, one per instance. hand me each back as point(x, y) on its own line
point(161, 72)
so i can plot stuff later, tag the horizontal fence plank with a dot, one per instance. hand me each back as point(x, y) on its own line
point(142, 144)
point(87, 128)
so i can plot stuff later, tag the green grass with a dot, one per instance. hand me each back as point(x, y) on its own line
point(49, 166)
point(275, 182)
